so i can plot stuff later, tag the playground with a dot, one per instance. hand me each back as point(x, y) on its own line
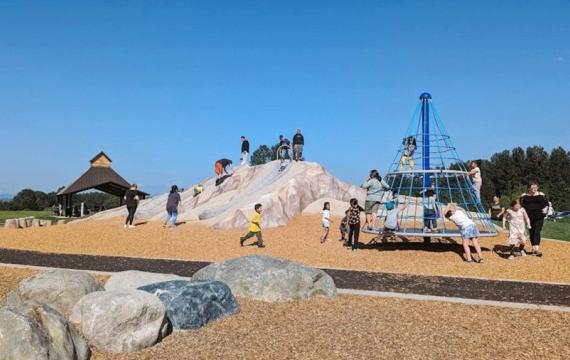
point(404, 282)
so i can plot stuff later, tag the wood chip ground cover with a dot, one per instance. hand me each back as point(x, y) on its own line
point(298, 241)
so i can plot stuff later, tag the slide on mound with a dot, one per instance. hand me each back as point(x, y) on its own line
point(283, 194)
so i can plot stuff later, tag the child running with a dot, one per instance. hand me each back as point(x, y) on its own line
point(254, 227)
point(516, 216)
point(172, 205)
point(326, 222)
point(353, 224)
point(467, 228)
point(344, 225)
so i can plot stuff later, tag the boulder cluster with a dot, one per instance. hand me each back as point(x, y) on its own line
point(60, 314)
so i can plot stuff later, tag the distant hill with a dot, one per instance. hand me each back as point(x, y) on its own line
point(6, 197)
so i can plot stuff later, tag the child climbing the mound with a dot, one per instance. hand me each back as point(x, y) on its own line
point(254, 227)
point(408, 150)
point(344, 225)
point(467, 228)
point(516, 216)
point(353, 224)
point(326, 222)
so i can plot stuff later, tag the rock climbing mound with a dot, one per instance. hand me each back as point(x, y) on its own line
point(283, 192)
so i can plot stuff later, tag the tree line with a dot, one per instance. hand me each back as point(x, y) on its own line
point(28, 199)
point(507, 174)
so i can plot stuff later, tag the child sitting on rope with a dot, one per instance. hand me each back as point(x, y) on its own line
point(467, 228)
point(516, 216)
point(392, 222)
point(408, 150)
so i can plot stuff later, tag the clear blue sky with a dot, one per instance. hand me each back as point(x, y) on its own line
point(167, 87)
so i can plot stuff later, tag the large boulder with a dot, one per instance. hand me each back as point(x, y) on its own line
point(121, 321)
point(192, 304)
point(60, 289)
point(269, 279)
point(11, 224)
point(134, 279)
point(36, 331)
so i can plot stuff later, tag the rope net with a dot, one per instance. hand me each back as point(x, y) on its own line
point(426, 175)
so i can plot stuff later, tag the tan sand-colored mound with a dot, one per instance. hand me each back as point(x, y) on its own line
point(299, 240)
point(283, 193)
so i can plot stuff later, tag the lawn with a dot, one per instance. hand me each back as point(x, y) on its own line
point(44, 215)
point(559, 230)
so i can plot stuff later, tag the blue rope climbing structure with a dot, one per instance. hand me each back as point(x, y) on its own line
point(428, 160)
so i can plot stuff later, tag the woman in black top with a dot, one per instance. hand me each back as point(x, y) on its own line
point(536, 206)
point(496, 211)
point(132, 201)
point(172, 206)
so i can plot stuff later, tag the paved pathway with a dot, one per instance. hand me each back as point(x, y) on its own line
point(469, 288)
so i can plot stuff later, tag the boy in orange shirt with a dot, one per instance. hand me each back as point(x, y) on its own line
point(254, 227)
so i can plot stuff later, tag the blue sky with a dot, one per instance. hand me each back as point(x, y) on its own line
point(167, 87)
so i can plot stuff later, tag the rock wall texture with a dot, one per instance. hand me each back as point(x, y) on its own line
point(284, 194)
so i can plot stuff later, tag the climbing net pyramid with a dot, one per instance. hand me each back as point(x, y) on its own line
point(426, 175)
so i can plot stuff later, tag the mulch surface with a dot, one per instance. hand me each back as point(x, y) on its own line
point(512, 291)
point(299, 241)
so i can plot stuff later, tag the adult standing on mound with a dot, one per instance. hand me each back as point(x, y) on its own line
point(298, 144)
point(244, 151)
point(536, 206)
point(375, 187)
point(132, 201)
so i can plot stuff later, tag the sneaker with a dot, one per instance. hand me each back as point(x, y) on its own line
point(481, 261)
point(523, 253)
point(131, 226)
point(125, 226)
point(511, 257)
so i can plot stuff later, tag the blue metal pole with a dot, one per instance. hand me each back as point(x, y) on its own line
point(425, 97)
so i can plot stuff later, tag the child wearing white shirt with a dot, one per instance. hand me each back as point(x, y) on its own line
point(467, 228)
point(326, 221)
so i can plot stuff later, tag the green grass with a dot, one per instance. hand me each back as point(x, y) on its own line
point(43, 215)
point(559, 230)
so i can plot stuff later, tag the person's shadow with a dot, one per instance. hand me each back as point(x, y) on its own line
point(401, 243)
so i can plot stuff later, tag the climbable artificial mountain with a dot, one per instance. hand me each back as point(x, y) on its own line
point(299, 187)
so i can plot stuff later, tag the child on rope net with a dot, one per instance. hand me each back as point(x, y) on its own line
point(326, 222)
point(254, 227)
point(430, 210)
point(408, 150)
point(467, 228)
point(516, 216)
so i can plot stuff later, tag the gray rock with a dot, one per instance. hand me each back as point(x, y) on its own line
point(193, 304)
point(121, 321)
point(269, 279)
point(36, 331)
point(133, 279)
point(35, 223)
point(60, 289)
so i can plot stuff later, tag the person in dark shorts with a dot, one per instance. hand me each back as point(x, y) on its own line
point(244, 151)
point(172, 206)
point(536, 206)
point(298, 144)
point(132, 201)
